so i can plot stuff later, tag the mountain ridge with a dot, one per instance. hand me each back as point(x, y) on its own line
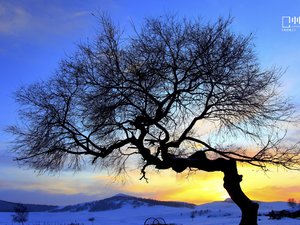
point(111, 203)
point(6, 206)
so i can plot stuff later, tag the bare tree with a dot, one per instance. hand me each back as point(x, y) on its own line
point(21, 214)
point(152, 96)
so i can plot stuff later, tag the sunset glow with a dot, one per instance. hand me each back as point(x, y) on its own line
point(275, 185)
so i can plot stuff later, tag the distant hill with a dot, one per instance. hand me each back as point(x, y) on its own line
point(112, 203)
point(119, 201)
point(9, 207)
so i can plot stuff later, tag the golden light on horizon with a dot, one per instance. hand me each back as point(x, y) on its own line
point(203, 187)
point(198, 188)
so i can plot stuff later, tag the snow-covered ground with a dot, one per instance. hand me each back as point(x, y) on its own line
point(217, 213)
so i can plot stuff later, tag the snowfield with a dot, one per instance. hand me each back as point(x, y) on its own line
point(216, 213)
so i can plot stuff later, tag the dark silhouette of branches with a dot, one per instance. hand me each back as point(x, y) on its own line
point(150, 96)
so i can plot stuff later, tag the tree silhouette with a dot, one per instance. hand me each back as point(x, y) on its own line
point(21, 214)
point(177, 94)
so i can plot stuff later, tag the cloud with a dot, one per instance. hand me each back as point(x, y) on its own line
point(40, 18)
point(42, 197)
point(66, 188)
point(275, 193)
point(13, 19)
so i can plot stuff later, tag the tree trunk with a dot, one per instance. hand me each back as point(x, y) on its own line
point(232, 184)
point(231, 181)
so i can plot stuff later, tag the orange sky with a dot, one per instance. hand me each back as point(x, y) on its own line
point(198, 188)
point(275, 185)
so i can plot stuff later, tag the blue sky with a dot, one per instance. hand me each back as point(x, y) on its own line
point(36, 34)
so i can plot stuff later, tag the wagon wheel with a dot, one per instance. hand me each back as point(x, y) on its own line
point(155, 221)
point(149, 221)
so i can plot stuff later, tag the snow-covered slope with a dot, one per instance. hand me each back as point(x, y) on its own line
point(216, 213)
point(129, 210)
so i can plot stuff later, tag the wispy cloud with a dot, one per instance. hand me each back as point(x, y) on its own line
point(42, 197)
point(61, 189)
point(13, 19)
point(20, 18)
point(275, 193)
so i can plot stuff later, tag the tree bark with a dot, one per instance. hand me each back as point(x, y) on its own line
point(232, 184)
